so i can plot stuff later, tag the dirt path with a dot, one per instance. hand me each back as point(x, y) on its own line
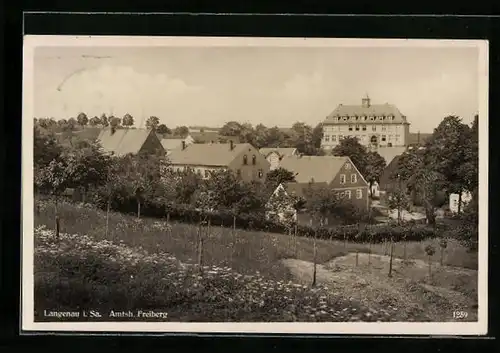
point(399, 298)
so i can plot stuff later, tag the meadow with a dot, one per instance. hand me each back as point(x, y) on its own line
point(149, 263)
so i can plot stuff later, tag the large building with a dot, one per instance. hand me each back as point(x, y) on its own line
point(375, 125)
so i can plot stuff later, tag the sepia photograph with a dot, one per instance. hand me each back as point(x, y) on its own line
point(255, 185)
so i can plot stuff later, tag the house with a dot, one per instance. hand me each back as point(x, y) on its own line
point(453, 203)
point(339, 173)
point(171, 143)
point(274, 155)
point(373, 124)
point(387, 181)
point(242, 158)
point(211, 137)
point(120, 142)
point(389, 153)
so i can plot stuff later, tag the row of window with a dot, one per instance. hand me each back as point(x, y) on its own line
point(354, 178)
point(383, 138)
point(347, 194)
point(365, 118)
point(245, 159)
point(260, 173)
point(206, 172)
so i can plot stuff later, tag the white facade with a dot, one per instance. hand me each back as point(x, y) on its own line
point(274, 159)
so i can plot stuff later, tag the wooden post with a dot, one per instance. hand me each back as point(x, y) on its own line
point(369, 252)
point(430, 270)
point(138, 209)
point(200, 253)
point(107, 218)
point(295, 241)
point(314, 259)
point(390, 261)
point(357, 258)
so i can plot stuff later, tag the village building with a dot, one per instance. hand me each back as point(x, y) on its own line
point(120, 142)
point(374, 125)
point(339, 173)
point(241, 158)
point(274, 155)
point(171, 143)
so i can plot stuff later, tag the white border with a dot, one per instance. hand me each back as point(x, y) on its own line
point(405, 328)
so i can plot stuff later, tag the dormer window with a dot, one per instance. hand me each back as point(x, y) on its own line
point(254, 159)
point(347, 166)
point(245, 159)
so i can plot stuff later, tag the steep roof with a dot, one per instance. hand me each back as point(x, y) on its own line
point(298, 189)
point(363, 112)
point(281, 151)
point(389, 153)
point(317, 168)
point(123, 141)
point(171, 143)
point(385, 178)
point(216, 154)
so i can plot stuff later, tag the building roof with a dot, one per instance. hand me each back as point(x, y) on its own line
point(389, 153)
point(215, 155)
point(317, 168)
point(281, 151)
point(123, 141)
point(298, 189)
point(171, 143)
point(363, 113)
point(391, 167)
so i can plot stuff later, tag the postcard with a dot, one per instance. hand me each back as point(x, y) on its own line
point(255, 185)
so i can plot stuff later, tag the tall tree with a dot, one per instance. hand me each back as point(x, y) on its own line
point(231, 128)
point(275, 137)
point(128, 120)
point(114, 121)
point(260, 136)
point(45, 148)
point(374, 167)
point(181, 131)
point(152, 123)
point(82, 119)
point(351, 148)
point(303, 138)
point(317, 135)
point(278, 176)
point(163, 129)
point(94, 121)
point(104, 120)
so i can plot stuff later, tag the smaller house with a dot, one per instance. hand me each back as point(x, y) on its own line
point(174, 142)
point(242, 158)
point(120, 142)
point(387, 181)
point(274, 155)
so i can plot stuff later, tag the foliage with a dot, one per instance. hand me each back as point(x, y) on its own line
point(278, 176)
point(231, 128)
point(163, 129)
point(127, 120)
point(430, 250)
point(104, 120)
point(45, 148)
point(374, 167)
point(182, 131)
point(82, 119)
point(351, 148)
point(152, 123)
point(95, 121)
point(114, 121)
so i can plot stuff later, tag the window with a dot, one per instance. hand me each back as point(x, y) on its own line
point(347, 166)
point(350, 127)
point(245, 159)
point(364, 118)
point(357, 127)
point(364, 127)
point(254, 159)
point(359, 194)
point(384, 128)
point(342, 178)
point(334, 138)
point(327, 138)
point(354, 178)
point(372, 118)
point(261, 173)
point(374, 128)
point(348, 194)
point(383, 138)
point(389, 144)
point(392, 117)
point(341, 137)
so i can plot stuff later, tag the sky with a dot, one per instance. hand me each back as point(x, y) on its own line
point(276, 86)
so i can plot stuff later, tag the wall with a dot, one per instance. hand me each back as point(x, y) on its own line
point(152, 145)
point(250, 172)
point(273, 159)
point(200, 170)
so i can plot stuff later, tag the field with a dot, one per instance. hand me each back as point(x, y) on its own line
point(361, 292)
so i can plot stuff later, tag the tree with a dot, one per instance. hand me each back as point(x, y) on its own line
point(374, 167)
point(82, 119)
point(278, 176)
point(231, 128)
point(152, 123)
point(45, 148)
point(446, 150)
point(163, 129)
point(95, 121)
point(247, 134)
point(302, 138)
point(114, 122)
point(351, 148)
point(72, 123)
point(428, 183)
point(104, 120)
point(260, 136)
point(181, 131)
point(317, 135)
point(408, 164)
point(430, 250)
point(398, 200)
point(128, 120)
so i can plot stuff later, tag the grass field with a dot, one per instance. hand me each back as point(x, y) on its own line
point(269, 255)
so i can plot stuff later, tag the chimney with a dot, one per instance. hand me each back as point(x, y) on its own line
point(231, 145)
point(183, 145)
point(113, 130)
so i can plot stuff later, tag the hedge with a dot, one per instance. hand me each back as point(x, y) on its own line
point(374, 233)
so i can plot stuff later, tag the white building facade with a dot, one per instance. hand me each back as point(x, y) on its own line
point(380, 125)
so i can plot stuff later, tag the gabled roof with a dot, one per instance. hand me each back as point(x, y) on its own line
point(367, 111)
point(389, 153)
point(281, 151)
point(171, 143)
point(123, 141)
point(317, 168)
point(298, 189)
point(215, 155)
